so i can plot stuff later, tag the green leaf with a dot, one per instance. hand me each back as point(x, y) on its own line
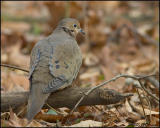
point(101, 77)
point(78, 120)
point(130, 126)
point(36, 29)
point(86, 115)
point(52, 112)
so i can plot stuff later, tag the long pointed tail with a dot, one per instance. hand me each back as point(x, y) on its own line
point(36, 100)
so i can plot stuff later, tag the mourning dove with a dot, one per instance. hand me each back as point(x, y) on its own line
point(55, 63)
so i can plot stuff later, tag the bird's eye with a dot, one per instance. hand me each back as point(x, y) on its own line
point(75, 25)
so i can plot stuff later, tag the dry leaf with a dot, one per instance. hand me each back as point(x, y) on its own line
point(90, 60)
point(16, 26)
point(88, 123)
point(48, 117)
point(128, 107)
point(154, 121)
point(144, 66)
point(15, 121)
point(35, 124)
point(91, 73)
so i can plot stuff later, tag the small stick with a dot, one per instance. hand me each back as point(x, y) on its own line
point(149, 104)
point(142, 105)
point(54, 109)
point(156, 98)
point(106, 82)
point(14, 67)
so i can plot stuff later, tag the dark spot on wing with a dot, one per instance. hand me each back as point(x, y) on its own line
point(56, 61)
point(66, 65)
point(57, 66)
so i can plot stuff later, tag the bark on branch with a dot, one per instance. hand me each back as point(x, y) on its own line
point(65, 98)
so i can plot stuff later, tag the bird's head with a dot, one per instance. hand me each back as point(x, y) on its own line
point(71, 26)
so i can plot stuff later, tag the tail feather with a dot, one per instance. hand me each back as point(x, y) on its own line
point(36, 100)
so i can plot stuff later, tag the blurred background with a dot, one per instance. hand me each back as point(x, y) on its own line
point(121, 37)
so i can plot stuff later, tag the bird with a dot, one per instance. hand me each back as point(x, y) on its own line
point(54, 64)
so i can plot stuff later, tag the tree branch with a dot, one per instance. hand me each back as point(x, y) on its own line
point(113, 79)
point(65, 98)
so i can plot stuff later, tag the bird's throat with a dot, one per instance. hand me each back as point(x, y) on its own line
point(70, 32)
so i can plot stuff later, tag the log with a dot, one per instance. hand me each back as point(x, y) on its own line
point(65, 98)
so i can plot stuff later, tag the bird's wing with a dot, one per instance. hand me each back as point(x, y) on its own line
point(63, 65)
point(35, 57)
point(40, 55)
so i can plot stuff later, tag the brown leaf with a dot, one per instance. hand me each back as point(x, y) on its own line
point(154, 121)
point(90, 60)
point(88, 123)
point(146, 66)
point(11, 80)
point(15, 121)
point(16, 26)
point(35, 124)
point(17, 58)
point(48, 117)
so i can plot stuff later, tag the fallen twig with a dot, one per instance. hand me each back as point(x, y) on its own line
point(106, 82)
point(116, 35)
point(14, 67)
point(149, 104)
point(156, 98)
point(142, 105)
point(153, 81)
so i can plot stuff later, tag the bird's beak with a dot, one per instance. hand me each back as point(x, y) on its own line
point(81, 31)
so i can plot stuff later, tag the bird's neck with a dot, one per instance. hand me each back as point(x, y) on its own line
point(67, 31)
